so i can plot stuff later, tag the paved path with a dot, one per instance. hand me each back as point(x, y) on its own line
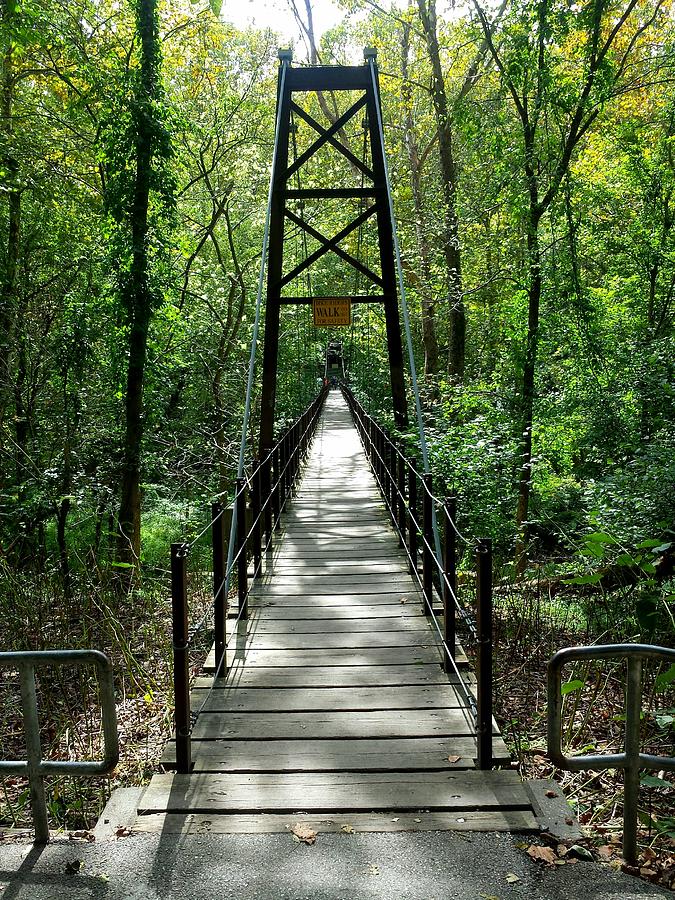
point(432, 866)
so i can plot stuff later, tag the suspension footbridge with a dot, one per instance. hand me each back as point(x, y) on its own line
point(337, 687)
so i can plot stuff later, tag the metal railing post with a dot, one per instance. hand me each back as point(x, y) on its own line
point(265, 495)
point(484, 624)
point(257, 515)
point(181, 666)
point(219, 598)
point(631, 774)
point(400, 484)
point(450, 580)
point(391, 464)
point(242, 561)
point(428, 530)
point(275, 488)
point(36, 781)
point(412, 515)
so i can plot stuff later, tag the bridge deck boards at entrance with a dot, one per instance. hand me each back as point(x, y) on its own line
point(335, 701)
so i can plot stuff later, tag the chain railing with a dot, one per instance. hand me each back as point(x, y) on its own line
point(259, 499)
point(414, 511)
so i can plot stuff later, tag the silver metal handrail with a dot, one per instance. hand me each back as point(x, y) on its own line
point(34, 767)
point(631, 760)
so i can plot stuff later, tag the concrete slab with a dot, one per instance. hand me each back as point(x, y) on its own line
point(430, 866)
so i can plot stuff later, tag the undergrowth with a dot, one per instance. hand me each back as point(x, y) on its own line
point(530, 625)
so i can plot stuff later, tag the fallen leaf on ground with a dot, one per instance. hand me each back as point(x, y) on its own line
point(73, 867)
point(551, 794)
point(454, 759)
point(303, 833)
point(122, 831)
point(605, 852)
point(542, 854)
point(512, 878)
point(348, 829)
point(81, 835)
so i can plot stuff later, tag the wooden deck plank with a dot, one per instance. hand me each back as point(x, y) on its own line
point(199, 823)
point(364, 755)
point(326, 640)
point(341, 792)
point(338, 676)
point(334, 725)
point(281, 625)
point(304, 699)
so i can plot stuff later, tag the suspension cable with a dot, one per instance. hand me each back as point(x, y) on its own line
point(256, 330)
point(404, 302)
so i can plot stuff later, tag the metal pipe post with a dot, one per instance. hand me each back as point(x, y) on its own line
point(219, 595)
point(400, 483)
point(265, 495)
point(36, 783)
point(412, 515)
point(257, 515)
point(484, 623)
point(450, 580)
point(181, 666)
point(242, 561)
point(276, 487)
point(428, 526)
point(631, 772)
point(391, 464)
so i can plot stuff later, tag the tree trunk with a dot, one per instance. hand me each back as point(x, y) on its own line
point(528, 384)
point(451, 247)
point(428, 307)
point(8, 286)
point(138, 299)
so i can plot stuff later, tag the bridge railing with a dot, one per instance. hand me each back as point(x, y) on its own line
point(409, 496)
point(259, 499)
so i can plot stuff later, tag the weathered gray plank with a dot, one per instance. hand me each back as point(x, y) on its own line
point(333, 725)
point(263, 623)
point(377, 656)
point(470, 820)
point(326, 640)
point(364, 755)
point(308, 698)
point(329, 593)
point(276, 608)
point(336, 567)
point(334, 676)
point(458, 790)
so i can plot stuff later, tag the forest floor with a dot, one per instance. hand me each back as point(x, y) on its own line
point(529, 628)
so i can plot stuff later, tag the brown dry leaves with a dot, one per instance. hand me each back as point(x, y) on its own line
point(302, 833)
point(542, 854)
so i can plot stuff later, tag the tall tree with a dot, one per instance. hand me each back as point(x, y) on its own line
point(543, 82)
point(416, 161)
point(148, 152)
point(11, 185)
point(451, 243)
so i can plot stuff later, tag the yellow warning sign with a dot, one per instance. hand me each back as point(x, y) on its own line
point(332, 311)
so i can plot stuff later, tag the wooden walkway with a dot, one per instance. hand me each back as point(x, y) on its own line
point(335, 708)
